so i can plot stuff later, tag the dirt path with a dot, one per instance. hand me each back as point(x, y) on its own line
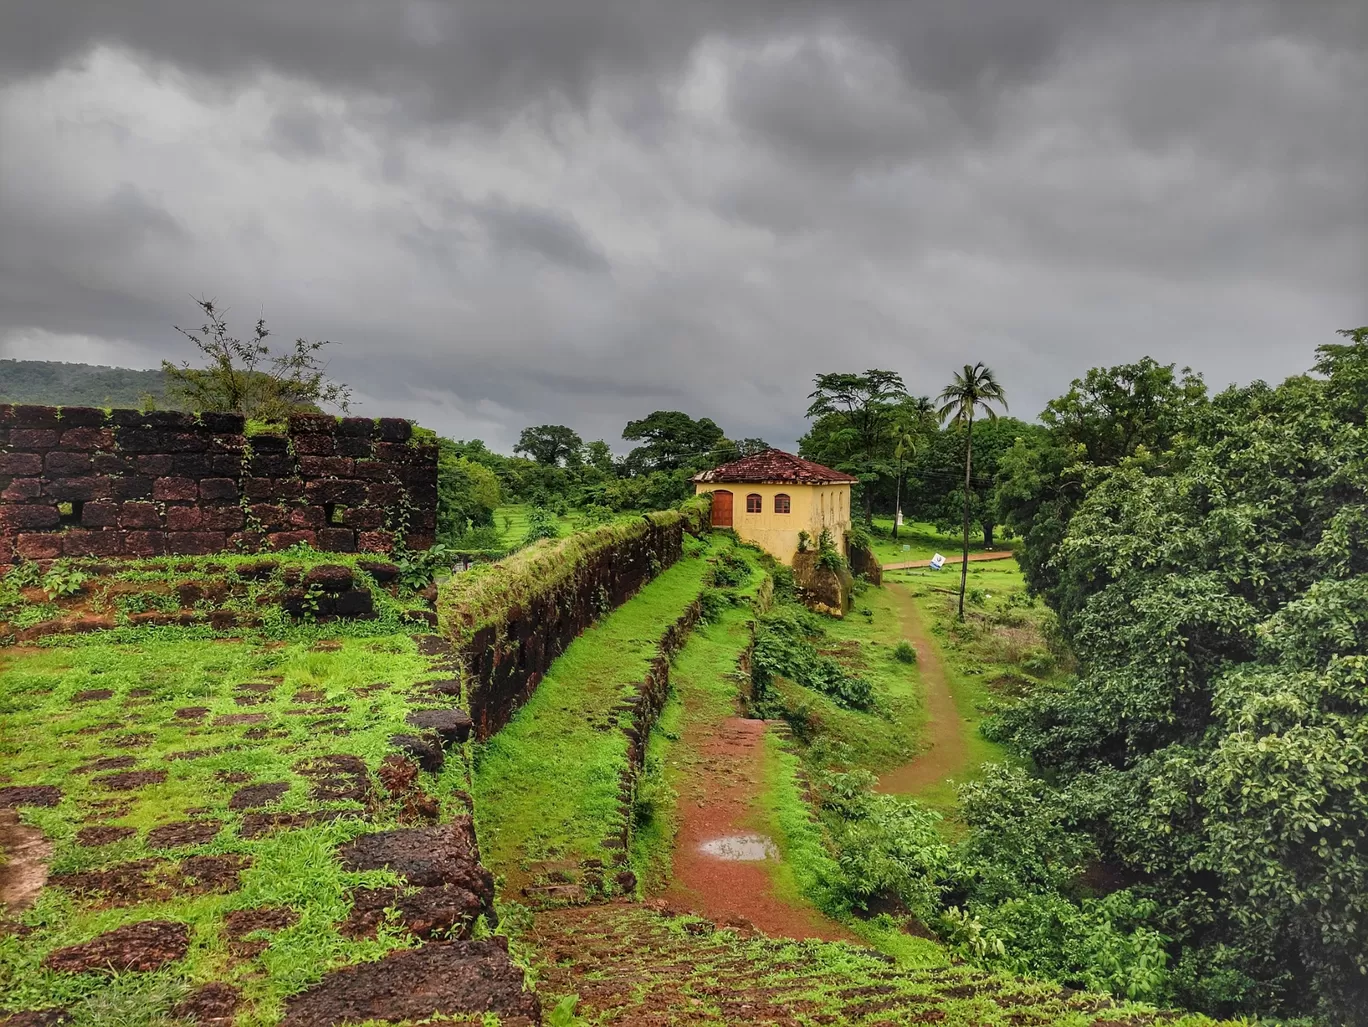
point(717, 798)
point(1006, 554)
point(949, 753)
point(24, 855)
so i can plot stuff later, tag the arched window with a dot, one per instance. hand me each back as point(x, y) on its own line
point(754, 504)
point(781, 503)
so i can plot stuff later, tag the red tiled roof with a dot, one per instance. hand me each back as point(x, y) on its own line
point(775, 467)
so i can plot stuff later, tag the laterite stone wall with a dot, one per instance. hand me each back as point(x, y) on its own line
point(80, 481)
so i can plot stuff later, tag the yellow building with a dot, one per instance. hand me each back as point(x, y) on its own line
point(769, 497)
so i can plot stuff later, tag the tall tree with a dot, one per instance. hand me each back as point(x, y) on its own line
point(915, 420)
point(853, 413)
point(551, 445)
point(248, 377)
point(671, 440)
point(973, 389)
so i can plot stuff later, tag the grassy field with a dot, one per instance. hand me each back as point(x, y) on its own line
point(995, 657)
point(919, 540)
point(864, 642)
point(547, 785)
point(147, 738)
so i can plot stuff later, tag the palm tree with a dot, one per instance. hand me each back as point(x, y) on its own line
point(973, 389)
point(916, 417)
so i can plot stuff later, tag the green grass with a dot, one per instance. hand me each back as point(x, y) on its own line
point(511, 522)
point(47, 735)
point(864, 641)
point(704, 689)
point(920, 540)
point(546, 786)
point(996, 657)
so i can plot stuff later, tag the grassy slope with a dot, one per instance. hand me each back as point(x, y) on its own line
point(546, 786)
point(47, 735)
point(890, 734)
point(704, 688)
point(923, 541)
point(511, 522)
point(983, 658)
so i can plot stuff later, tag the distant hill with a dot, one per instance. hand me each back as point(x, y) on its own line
point(54, 383)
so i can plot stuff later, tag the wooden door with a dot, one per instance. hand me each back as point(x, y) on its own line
point(722, 509)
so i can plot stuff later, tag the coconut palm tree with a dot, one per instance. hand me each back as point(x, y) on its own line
point(973, 389)
point(916, 418)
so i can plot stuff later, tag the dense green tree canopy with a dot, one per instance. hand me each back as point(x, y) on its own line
point(671, 440)
point(1212, 580)
point(852, 425)
point(550, 445)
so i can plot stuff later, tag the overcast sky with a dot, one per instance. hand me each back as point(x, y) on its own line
point(509, 212)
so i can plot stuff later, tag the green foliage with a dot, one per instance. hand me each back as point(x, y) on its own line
point(550, 445)
point(468, 493)
point(828, 555)
point(541, 524)
point(853, 416)
point(247, 377)
point(62, 580)
point(804, 541)
point(671, 440)
point(903, 652)
point(56, 383)
point(784, 648)
point(1212, 580)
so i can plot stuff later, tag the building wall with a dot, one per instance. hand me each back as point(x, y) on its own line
point(812, 508)
point(80, 481)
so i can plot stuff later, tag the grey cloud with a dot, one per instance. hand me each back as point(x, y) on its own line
point(519, 228)
point(514, 211)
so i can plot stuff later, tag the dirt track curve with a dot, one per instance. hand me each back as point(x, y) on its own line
point(948, 753)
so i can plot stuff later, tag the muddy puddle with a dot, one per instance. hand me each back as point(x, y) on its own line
point(740, 848)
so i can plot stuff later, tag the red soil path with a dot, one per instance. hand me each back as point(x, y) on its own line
point(950, 561)
point(948, 753)
point(717, 800)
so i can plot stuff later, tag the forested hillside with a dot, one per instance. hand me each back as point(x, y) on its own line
point(56, 383)
point(1208, 765)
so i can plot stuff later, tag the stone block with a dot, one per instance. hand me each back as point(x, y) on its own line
point(353, 446)
point(27, 415)
point(169, 419)
point(192, 465)
point(131, 487)
point(138, 438)
point(195, 543)
point(156, 465)
point(82, 417)
point(393, 429)
point(306, 424)
point(226, 465)
point(384, 495)
point(86, 440)
point(271, 516)
point(326, 466)
point(222, 517)
point(218, 490)
point(307, 517)
point(80, 542)
point(285, 539)
point(39, 547)
point(100, 514)
point(337, 540)
point(393, 453)
point(184, 517)
point(20, 489)
point(33, 438)
point(29, 517)
point(175, 490)
point(357, 604)
point(61, 464)
point(356, 427)
point(145, 543)
point(372, 470)
point(363, 518)
point(79, 490)
point(140, 515)
point(374, 542)
point(110, 464)
point(314, 445)
point(20, 463)
point(225, 424)
point(347, 493)
point(270, 465)
point(187, 442)
point(247, 541)
point(269, 443)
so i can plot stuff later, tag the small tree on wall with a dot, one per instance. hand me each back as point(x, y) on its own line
point(246, 376)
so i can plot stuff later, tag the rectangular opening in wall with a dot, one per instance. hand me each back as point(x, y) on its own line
point(70, 513)
point(332, 513)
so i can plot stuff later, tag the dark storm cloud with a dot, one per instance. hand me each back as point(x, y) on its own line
point(509, 211)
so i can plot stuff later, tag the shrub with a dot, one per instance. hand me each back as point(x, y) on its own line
point(904, 652)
